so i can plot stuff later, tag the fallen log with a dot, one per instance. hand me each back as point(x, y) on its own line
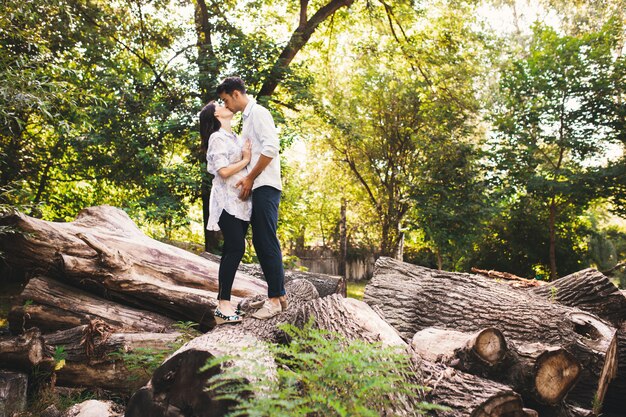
point(469, 395)
point(104, 251)
point(428, 298)
point(464, 351)
point(614, 401)
point(23, 352)
point(544, 374)
point(323, 283)
point(588, 290)
point(177, 386)
point(516, 281)
point(94, 356)
point(51, 305)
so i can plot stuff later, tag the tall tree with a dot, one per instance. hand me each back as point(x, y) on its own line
point(560, 109)
point(394, 116)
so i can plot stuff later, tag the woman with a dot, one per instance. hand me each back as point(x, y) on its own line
point(227, 157)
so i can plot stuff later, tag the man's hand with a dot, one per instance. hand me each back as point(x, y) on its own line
point(246, 187)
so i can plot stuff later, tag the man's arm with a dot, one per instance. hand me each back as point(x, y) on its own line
point(247, 182)
point(266, 130)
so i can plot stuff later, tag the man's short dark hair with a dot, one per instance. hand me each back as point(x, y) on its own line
point(230, 84)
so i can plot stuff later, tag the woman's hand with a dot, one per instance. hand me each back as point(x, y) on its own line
point(246, 150)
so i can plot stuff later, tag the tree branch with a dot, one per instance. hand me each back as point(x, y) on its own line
point(298, 39)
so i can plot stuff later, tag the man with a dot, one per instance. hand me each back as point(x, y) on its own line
point(263, 182)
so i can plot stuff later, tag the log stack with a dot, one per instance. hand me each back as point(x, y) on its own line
point(98, 288)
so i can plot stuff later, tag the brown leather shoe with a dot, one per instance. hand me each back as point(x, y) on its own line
point(268, 311)
point(258, 304)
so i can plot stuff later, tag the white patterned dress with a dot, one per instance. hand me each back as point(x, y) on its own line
point(225, 149)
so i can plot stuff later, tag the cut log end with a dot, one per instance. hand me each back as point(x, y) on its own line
point(490, 345)
point(507, 404)
point(556, 373)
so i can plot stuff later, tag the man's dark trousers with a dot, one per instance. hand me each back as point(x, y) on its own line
point(264, 221)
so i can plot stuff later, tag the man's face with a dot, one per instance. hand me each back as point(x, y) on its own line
point(232, 101)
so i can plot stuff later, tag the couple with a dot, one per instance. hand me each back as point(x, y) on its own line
point(246, 189)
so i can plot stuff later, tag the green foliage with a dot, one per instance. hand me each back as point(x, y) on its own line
point(321, 374)
point(515, 239)
point(559, 110)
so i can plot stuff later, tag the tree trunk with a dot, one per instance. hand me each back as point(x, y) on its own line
point(177, 386)
point(428, 298)
point(299, 38)
point(92, 356)
point(588, 290)
point(325, 284)
point(469, 395)
point(614, 402)
point(543, 374)
point(51, 305)
point(483, 349)
point(23, 352)
point(343, 240)
point(103, 250)
point(552, 228)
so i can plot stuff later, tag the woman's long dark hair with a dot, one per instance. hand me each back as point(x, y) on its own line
point(208, 125)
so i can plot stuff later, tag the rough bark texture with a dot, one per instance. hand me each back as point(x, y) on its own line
point(542, 374)
point(13, 387)
point(51, 305)
point(323, 283)
point(104, 251)
point(469, 395)
point(588, 290)
point(93, 356)
point(176, 386)
point(427, 298)
point(615, 400)
point(22, 352)
point(484, 348)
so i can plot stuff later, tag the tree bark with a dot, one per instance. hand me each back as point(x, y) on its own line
point(51, 305)
point(540, 373)
point(299, 38)
point(427, 298)
point(469, 395)
point(588, 290)
point(103, 251)
point(177, 386)
point(23, 352)
point(614, 401)
point(89, 361)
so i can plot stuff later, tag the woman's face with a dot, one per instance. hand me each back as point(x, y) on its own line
point(222, 112)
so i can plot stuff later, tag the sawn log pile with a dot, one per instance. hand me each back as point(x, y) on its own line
point(483, 345)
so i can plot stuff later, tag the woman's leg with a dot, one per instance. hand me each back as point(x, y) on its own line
point(234, 232)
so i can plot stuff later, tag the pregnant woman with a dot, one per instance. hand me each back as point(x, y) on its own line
point(227, 158)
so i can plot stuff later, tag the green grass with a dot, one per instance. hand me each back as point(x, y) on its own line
point(356, 289)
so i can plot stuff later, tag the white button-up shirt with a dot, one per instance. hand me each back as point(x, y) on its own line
point(259, 127)
point(225, 149)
